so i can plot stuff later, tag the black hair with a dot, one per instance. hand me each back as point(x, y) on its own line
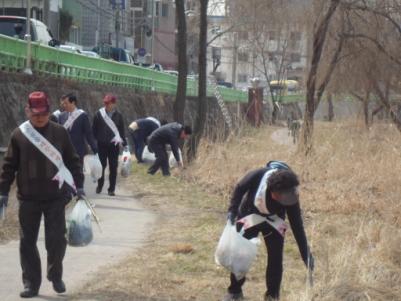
point(187, 130)
point(282, 180)
point(71, 97)
point(163, 122)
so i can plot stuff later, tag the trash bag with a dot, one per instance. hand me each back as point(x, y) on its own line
point(172, 161)
point(79, 225)
point(93, 167)
point(234, 252)
point(126, 164)
point(147, 156)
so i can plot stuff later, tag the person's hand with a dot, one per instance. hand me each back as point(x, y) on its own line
point(3, 200)
point(231, 217)
point(180, 164)
point(80, 193)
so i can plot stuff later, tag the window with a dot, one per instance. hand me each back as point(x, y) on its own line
point(242, 78)
point(243, 56)
point(165, 10)
point(295, 40)
point(136, 3)
point(295, 57)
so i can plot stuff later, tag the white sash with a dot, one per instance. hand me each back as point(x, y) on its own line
point(110, 123)
point(154, 120)
point(46, 148)
point(71, 119)
point(260, 203)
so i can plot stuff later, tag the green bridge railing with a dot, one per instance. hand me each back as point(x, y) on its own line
point(52, 61)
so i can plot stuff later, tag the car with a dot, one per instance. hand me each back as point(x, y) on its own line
point(90, 53)
point(69, 48)
point(14, 26)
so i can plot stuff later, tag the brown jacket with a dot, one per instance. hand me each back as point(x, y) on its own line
point(34, 171)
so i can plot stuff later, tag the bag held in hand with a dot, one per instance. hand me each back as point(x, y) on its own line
point(79, 225)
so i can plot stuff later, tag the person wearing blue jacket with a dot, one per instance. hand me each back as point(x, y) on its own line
point(76, 122)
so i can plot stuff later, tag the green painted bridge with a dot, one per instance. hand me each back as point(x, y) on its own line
point(52, 61)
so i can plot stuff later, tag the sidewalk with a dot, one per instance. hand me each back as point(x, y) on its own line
point(124, 224)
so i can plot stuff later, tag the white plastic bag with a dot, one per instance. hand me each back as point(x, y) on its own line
point(147, 156)
point(79, 225)
point(234, 252)
point(126, 164)
point(172, 161)
point(93, 167)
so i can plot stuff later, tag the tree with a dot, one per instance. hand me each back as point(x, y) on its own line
point(179, 104)
point(200, 119)
point(65, 25)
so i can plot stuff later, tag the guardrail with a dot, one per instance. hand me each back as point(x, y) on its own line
point(49, 60)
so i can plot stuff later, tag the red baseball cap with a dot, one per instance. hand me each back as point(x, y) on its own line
point(109, 98)
point(38, 102)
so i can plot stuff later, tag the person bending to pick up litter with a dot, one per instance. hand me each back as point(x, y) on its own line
point(40, 154)
point(270, 193)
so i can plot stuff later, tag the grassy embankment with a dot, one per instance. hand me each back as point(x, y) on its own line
point(351, 188)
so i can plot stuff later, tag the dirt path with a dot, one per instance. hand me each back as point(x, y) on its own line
point(124, 223)
point(281, 136)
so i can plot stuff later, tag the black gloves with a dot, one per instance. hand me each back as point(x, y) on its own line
point(231, 217)
point(80, 193)
point(3, 200)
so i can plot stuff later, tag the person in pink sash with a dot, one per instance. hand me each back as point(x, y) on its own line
point(259, 204)
point(42, 158)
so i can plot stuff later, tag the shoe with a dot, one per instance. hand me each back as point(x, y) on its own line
point(98, 190)
point(111, 193)
point(29, 293)
point(59, 286)
point(231, 296)
point(269, 298)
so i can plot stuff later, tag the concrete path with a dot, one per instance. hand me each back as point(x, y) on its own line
point(124, 224)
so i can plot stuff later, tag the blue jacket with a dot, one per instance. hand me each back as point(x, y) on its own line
point(80, 133)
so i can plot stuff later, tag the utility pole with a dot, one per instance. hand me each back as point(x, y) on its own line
point(28, 69)
point(235, 52)
point(117, 23)
point(153, 30)
point(97, 35)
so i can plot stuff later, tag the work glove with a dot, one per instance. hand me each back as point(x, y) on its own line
point(231, 217)
point(180, 164)
point(80, 193)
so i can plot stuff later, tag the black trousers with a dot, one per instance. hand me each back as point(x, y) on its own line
point(30, 214)
point(274, 271)
point(161, 159)
point(109, 152)
point(138, 139)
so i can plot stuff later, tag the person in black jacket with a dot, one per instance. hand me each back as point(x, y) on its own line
point(167, 134)
point(77, 123)
point(140, 130)
point(259, 203)
point(39, 191)
point(108, 129)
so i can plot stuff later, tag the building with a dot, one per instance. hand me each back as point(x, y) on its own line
point(46, 11)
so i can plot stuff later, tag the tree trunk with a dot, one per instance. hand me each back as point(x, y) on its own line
point(179, 104)
point(318, 45)
point(366, 109)
point(202, 94)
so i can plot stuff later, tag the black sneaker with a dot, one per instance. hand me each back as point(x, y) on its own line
point(59, 286)
point(231, 296)
point(98, 190)
point(29, 293)
point(111, 193)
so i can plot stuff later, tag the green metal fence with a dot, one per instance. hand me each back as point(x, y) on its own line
point(48, 60)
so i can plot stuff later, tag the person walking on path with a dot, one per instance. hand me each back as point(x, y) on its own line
point(108, 129)
point(259, 203)
point(77, 123)
point(40, 154)
point(140, 130)
point(170, 133)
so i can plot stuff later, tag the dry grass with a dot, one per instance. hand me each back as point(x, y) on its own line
point(350, 195)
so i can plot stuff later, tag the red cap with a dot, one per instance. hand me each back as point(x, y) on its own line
point(38, 102)
point(109, 98)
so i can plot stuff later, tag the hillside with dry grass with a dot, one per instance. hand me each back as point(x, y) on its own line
point(351, 201)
